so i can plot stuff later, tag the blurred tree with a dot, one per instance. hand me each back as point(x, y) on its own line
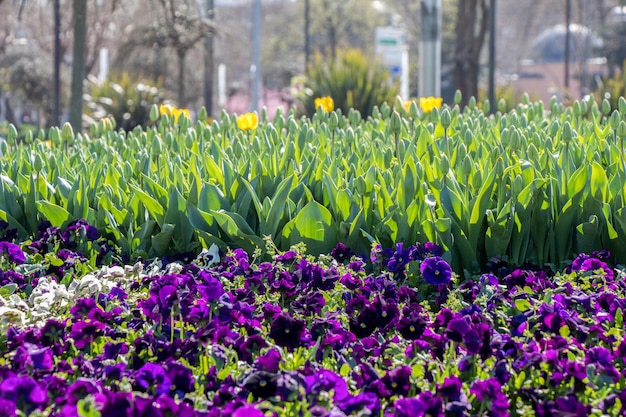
point(178, 25)
point(471, 28)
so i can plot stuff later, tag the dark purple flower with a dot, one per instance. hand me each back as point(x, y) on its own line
point(152, 378)
point(362, 401)
point(399, 259)
point(269, 361)
point(398, 381)
point(36, 357)
point(287, 331)
point(114, 404)
point(262, 384)
point(366, 322)
point(457, 328)
point(80, 389)
point(595, 264)
point(412, 324)
point(248, 411)
point(409, 407)
point(85, 332)
point(341, 253)
point(13, 252)
point(436, 271)
point(211, 288)
point(7, 408)
point(26, 393)
point(250, 346)
point(241, 257)
point(181, 377)
point(490, 390)
point(309, 304)
point(325, 380)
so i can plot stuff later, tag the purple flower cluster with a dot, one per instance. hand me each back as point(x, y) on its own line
point(328, 338)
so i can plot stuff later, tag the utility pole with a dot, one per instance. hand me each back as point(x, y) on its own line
point(430, 49)
point(56, 82)
point(256, 54)
point(307, 29)
point(492, 55)
point(208, 59)
point(79, 24)
point(568, 18)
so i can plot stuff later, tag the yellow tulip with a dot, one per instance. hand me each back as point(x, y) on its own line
point(326, 103)
point(165, 109)
point(176, 113)
point(247, 121)
point(173, 112)
point(429, 103)
point(407, 105)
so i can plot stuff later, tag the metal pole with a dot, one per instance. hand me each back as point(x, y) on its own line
point(56, 82)
point(208, 60)
point(256, 54)
point(492, 55)
point(568, 17)
point(307, 29)
point(429, 82)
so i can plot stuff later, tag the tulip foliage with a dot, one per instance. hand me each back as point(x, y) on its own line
point(536, 184)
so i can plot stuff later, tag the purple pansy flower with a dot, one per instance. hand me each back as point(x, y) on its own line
point(152, 378)
point(436, 271)
point(13, 252)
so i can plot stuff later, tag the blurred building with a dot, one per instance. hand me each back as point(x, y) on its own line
point(543, 74)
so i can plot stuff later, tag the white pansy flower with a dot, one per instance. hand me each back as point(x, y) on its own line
point(11, 317)
point(173, 268)
point(87, 285)
point(213, 254)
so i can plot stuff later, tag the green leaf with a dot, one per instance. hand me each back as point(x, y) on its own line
point(176, 214)
point(314, 226)
point(237, 230)
point(152, 205)
point(56, 215)
point(161, 241)
point(522, 305)
point(277, 208)
point(8, 289)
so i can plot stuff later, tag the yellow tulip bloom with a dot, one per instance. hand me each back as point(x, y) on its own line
point(173, 112)
point(247, 121)
point(326, 103)
point(429, 103)
point(407, 105)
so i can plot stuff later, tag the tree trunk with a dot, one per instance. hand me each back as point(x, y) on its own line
point(79, 23)
point(181, 77)
point(471, 28)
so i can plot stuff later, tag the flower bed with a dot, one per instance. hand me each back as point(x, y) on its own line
point(228, 334)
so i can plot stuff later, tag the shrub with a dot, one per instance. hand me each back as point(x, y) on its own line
point(351, 79)
point(612, 88)
point(125, 99)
